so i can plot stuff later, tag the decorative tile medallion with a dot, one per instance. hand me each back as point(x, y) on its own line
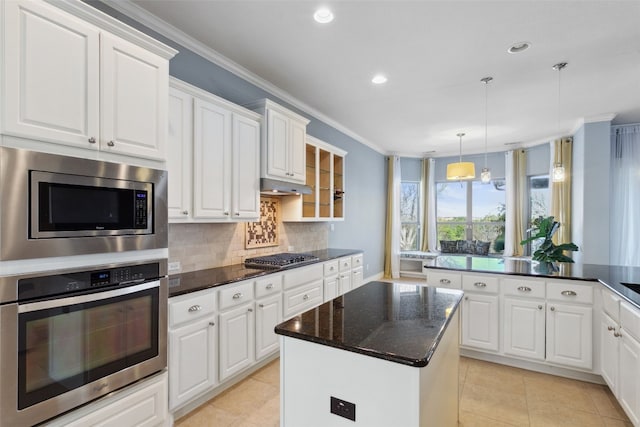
point(264, 232)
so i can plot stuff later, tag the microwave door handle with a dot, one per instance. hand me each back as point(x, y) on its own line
point(79, 299)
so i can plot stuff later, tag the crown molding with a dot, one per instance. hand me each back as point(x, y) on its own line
point(608, 117)
point(164, 28)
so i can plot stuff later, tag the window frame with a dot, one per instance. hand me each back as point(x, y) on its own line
point(418, 222)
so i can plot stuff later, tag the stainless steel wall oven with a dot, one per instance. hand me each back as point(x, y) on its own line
point(55, 205)
point(68, 337)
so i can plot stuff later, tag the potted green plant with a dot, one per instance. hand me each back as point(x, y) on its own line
point(548, 253)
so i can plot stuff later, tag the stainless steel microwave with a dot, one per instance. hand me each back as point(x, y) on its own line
point(53, 205)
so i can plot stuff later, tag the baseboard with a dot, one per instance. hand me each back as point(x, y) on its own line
point(375, 277)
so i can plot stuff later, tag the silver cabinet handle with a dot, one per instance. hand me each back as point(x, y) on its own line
point(212, 324)
point(331, 268)
point(261, 305)
point(466, 298)
point(305, 297)
point(194, 308)
point(111, 143)
point(185, 212)
point(568, 293)
point(617, 335)
point(552, 309)
point(610, 328)
point(445, 281)
point(92, 140)
point(270, 286)
point(524, 289)
point(346, 264)
point(540, 307)
point(226, 213)
point(480, 285)
point(237, 213)
point(250, 310)
point(237, 296)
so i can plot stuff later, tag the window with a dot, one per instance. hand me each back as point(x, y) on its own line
point(410, 216)
point(470, 210)
point(539, 205)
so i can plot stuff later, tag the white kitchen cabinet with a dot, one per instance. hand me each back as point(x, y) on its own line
point(268, 315)
point(609, 351)
point(569, 334)
point(524, 327)
point(325, 176)
point(357, 278)
point(217, 158)
point(480, 326)
point(330, 287)
point(344, 282)
point(629, 362)
point(74, 83)
point(237, 341)
point(283, 142)
point(193, 346)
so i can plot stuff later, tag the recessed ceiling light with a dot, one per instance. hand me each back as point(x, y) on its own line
point(519, 47)
point(379, 79)
point(323, 15)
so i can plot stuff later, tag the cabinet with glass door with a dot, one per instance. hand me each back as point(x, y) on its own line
point(325, 176)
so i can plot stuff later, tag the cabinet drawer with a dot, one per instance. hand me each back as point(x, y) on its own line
point(485, 284)
point(357, 261)
point(236, 294)
point(344, 263)
point(523, 288)
point(268, 285)
point(300, 299)
point(630, 319)
point(611, 304)
point(331, 268)
point(302, 275)
point(570, 292)
point(445, 280)
point(184, 308)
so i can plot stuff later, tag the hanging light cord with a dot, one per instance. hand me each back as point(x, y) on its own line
point(486, 103)
point(559, 67)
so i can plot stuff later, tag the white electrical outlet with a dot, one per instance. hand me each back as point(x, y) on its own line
point(291, 249)
point(174, 266)
point(331, 227)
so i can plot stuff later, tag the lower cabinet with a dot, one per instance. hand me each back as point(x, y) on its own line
point(524, 328)
point(570, 335)
point(237, 348)
point(609, 354)
point(268, 315)
point(629, 372)
point(357, 278)
point(480, 327)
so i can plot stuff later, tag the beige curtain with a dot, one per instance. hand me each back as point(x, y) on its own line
point(392, 233)
point(428, 241)
point(561, 151)
point(516, 221)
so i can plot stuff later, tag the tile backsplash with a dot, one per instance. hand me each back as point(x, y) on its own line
point(202, 246)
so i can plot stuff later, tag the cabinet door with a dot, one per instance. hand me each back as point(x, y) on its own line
point(268, 315)
point(179, 154)
point(609, 345)
point(297, 152)
point(570, 335)
point(330, 287)
point(237, 342)
point(212, 160)
point(356, 277)
point(629, 387)
point(246, 168)
point(344, 283)
point(524, 328)
point(193, 358)
point(134, 91)
point(277, 145)
point(480, 321)
point(51, 82)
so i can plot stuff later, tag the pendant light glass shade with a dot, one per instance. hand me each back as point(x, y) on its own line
point(485, 176)
point(461, 170)
point(558, 173)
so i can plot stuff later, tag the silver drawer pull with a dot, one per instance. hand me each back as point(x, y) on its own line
point(539, 307)
point(237, 296)
point(270, 286)
point(212, 324)
point(552, 309)
point(305, 297)
point(610, 328)
point(250, 310)
point(445, 281)
point(524, 289)
point(261, 305)
point(617, 335)
point(194, 308)
point(568, 293)
point(480, 285)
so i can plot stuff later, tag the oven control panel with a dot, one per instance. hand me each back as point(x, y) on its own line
point(79, 281)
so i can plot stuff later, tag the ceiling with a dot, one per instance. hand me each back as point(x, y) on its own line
point(434, 54)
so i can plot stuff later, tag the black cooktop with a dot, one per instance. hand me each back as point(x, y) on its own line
point(282, 260)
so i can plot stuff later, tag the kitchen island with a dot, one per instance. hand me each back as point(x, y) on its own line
point(381, 355)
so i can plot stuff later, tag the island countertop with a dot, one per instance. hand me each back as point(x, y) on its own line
point(397, 322)
point(611, 276)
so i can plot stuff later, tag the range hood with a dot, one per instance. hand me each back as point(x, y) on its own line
point(275, 187)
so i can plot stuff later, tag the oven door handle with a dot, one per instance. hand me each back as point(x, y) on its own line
point(79, 299)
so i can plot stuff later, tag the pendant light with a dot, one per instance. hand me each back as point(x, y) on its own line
point(557, 174)
point(485, 176)
point(461, 170)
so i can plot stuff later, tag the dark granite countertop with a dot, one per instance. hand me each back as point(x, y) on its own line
point(611, 276)
point(184, 283)
point(398, 322)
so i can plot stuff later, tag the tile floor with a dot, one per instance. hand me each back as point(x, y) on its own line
point(490, 396)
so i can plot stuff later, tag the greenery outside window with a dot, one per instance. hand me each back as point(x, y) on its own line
point(470, 210)
point(410, 216)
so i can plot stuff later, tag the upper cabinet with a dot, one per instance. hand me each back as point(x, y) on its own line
point(283, 142)
point(70, 80)
point(214, 159)
point(324, 173)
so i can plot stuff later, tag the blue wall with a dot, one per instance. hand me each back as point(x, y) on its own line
point(365, 189)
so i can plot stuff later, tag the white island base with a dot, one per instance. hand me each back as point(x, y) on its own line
point(384, 393)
